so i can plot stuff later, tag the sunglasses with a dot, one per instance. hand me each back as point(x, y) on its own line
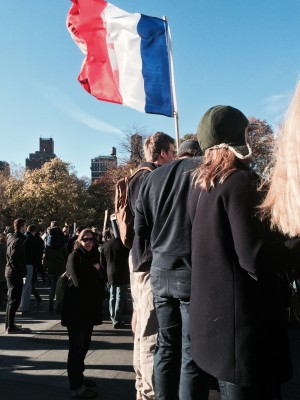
point(87, 240)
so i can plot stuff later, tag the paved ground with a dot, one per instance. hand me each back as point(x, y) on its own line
point(33, 365)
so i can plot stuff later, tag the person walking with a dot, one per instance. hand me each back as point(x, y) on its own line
point(15, 271)
point(81, 311)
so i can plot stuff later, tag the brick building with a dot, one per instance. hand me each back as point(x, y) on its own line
point(101, 164)
point(43, 155)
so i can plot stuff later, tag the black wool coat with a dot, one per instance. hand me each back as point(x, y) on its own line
point(238, 331)
point(83, 297)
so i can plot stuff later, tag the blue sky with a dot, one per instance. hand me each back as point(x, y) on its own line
point(242, 53)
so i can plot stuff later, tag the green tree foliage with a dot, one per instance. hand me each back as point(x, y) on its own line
point(51, 193)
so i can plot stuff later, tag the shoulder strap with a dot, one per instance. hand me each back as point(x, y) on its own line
point(141, 169)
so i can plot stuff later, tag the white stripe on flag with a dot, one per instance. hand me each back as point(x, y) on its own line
point(122, 30)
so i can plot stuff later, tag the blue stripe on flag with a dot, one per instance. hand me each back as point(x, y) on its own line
point(155, 65)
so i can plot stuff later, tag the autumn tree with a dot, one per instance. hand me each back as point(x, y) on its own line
point(51, 193)
point(263, 143)
point(10, 184)
point(103, 190)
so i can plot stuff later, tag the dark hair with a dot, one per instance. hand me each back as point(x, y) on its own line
point(154, 145)
point(31, 228)
point(54, 224)
point(81, 235)
point(19, 223)
point(79, 229)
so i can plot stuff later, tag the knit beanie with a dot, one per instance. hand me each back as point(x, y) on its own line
point(225, 126)
point(190, 148)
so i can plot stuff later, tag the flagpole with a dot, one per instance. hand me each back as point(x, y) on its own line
point(176, 118)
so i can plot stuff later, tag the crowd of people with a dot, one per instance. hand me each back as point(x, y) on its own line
point(212, 263)
point(213, 256)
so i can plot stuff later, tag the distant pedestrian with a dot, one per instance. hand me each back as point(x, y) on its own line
point(72, 240)
point(114, 259)
point(81, 310)
point(30, 256)
point(15, 271)
point(3, 284)
point(66, 233)
point(38, 265)
point(55, 258)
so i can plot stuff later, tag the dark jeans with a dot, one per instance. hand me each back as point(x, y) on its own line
point(79, 343)
point(14, 287)
point(176, 375)
point(117, 300)
point(229, 391)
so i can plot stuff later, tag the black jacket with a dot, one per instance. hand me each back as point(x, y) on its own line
point(15, 256)
point(71, 242)
point(238, 331)
point(82, 301)
point(141, 254)
point(31, 249)
point(114, 258)
point(162, 214)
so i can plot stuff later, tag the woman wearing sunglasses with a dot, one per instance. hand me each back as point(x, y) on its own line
point(81, 310)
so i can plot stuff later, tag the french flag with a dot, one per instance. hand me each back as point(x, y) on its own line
point(127, 57)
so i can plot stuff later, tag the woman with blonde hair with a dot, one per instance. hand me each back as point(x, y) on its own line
point(282, 203)
point(281, 208)
point(238, 333)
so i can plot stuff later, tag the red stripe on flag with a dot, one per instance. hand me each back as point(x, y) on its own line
point(87, 28)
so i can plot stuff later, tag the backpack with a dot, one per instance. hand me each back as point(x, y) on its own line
point(55, 238)
point(62, 283)
point(123, 212)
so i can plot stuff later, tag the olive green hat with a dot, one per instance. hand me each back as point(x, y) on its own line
point(225, 126)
